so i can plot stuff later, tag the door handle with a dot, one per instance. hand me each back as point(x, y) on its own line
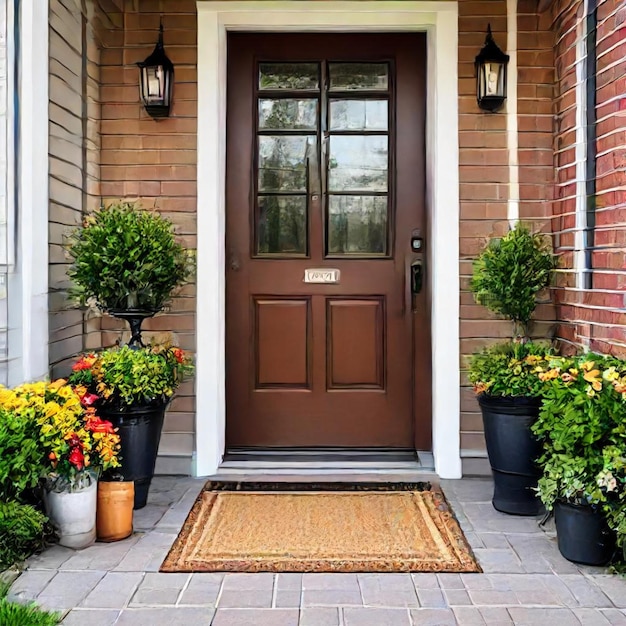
point(416, 277)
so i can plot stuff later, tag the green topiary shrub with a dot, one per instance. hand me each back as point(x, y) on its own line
point(510, 272)
point(22, 529)
point(126, 258)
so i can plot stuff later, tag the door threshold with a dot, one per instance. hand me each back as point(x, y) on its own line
point(327, 465)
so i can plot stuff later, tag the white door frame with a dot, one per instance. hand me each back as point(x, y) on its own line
point(440, 21)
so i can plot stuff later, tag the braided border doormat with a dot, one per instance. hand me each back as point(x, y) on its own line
point(323, 527)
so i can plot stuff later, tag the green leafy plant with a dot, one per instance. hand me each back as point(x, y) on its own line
point(15, 614)
point(582, 429)
point(22, 532)
point(126, 258)
point(510, 272)
point(22, 462)
point(509, 369)
point(123, 376)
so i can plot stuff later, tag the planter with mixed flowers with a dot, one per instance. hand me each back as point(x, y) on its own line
point(582, 431)
point(131, 387)
point(507, 276)
point(75, 446)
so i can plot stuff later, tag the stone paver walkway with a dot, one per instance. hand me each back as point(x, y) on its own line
point(525, 580)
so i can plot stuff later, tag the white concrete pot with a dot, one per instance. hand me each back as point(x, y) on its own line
point(73, 513)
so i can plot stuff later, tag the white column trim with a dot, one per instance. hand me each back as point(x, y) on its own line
point(28, 285)
point(440, 21)
point(511, 113)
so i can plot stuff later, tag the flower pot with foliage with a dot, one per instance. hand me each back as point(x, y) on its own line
point(582, 431)
point(507, 276)
point(127, 262)
point(131, 387)
point(70, 446)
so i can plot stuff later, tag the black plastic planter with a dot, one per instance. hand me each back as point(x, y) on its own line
point(512, 451)
point(583, 534)
point(139, 429)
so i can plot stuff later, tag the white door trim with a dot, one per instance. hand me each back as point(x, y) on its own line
point(440, 21)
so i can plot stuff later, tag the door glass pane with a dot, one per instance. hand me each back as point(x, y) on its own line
point(288, 114)
point(283, 162)
point(355, 76)
point(358, 162)
point(282, 225)
point(357, 225)
point(358, 115)
point(288, 76)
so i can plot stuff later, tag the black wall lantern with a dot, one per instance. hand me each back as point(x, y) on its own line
point(491, 65)
point(156, 77)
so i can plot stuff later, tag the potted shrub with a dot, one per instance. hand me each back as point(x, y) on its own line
point(507, 276)
point(581, 427)
point(126, 262)
point(76, 446)
point(131, 387)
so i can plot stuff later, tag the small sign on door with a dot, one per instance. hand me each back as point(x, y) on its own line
point(321, 275)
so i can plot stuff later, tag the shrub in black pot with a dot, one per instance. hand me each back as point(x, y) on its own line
point(582, 431)
point(507, 276)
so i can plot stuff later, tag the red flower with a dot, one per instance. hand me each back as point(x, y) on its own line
point(77, 458)
point(179, 355)
point(97, 425)
point(74, 440)
point(88, 399)
point(82, 364)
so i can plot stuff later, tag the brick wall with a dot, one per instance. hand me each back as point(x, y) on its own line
point(484, 178)
point(592, 318)
point(155, 162)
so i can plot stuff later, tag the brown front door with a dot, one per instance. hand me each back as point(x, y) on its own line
point(325, 343)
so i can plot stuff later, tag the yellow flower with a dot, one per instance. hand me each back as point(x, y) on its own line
point(549, 375)
point(587, 366)
point(593, 377)
point(610, 374)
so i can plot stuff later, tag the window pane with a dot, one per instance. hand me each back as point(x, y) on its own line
point(282, 225)
point(288, 76)
point(358, 163)
point(283, 162)
point(287, 114)
point(351, 76)
point(357, 225)
point(358, 115)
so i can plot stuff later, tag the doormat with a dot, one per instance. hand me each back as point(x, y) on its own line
point(347, 528)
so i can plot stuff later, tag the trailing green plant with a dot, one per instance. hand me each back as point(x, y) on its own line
point(16, 614)
point(509, 369)
point(510, 272)
point(121, 377)
point(582, 429)
point(126, 258)
point(22, 532)
point(22, 462)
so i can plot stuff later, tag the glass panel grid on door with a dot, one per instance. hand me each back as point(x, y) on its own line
point(323, 130)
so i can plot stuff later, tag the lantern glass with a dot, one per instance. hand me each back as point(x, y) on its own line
point(491, 65)
point(156, 81)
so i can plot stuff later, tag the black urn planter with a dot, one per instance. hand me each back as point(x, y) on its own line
point(512, 450)
point(582, 533)
point(139, 429)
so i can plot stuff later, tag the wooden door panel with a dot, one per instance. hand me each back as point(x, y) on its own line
point(356, 344)
point(281, 323)
point(325, 169)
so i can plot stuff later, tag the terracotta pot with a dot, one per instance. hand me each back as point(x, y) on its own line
point(114, 515)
